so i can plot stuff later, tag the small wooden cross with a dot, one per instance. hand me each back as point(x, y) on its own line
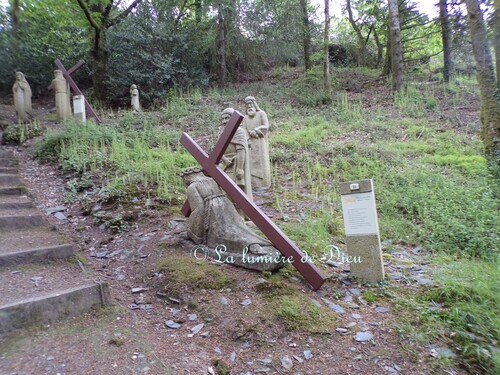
point(67, 75)
point(210, 167)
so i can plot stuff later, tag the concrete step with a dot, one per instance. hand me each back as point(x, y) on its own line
point(8, 163)
point(7, 180)
point(40, 245)
point(11, 202)
point(7, 154)
point(19, 219)
point(9, 170)
point(45, 294)
point(36, 255)
point(14, 190)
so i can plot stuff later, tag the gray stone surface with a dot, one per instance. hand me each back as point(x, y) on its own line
point(54, 307)
point(256, 126)
point(22, 98)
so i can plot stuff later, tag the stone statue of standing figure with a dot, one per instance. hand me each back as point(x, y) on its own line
point(61, 89)
point(134, 98)
point(22, 98)
point(236, 158)
point(256, 126)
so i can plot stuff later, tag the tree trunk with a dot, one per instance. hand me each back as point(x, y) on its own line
point(497, 40)
point(380, 47)
point(306, 35)
point(396, 48)
point(387, 70)
point(363, 52)
point(198, 10)
point(490, 106)
point(14, 11)
point(446, 36)
point(326, 43)
point(101, 24)
point(221, 36)
point(100, 66)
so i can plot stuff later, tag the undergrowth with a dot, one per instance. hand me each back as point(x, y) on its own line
point(431, 183)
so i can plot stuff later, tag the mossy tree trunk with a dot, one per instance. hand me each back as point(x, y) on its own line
point(326, 43)
point(306, 32)
point(396, 47)
point(98, 14)
point(444, 19)
point(490, 106)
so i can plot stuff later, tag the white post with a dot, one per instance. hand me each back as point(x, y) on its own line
point(79, 108)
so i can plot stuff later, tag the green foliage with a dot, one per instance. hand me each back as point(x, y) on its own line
point(466, 294)
point(125, 158)
point(20, 133)
point(48, 30)
point(308, 89)
point(185, 274)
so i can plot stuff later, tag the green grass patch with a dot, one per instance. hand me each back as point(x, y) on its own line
point(186, 274)
point(462, 310)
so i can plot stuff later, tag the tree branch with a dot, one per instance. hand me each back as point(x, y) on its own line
point(88, 15)
point(181, 13)
point(123, 14)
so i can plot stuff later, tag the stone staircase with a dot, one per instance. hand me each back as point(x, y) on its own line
point(41, 282)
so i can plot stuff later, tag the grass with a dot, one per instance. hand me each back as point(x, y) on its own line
point(186, 274)
point(432, 186)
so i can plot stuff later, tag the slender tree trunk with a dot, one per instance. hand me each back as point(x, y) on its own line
point(222, 73)
point(490, 106)
point(306, 35)
point(497, 40)
point(14, 11)
point(198, 10)
point(380, 48)
point(98, 14)
point(326, 43)
point(387, 70)
point(363, 52)
point(100, 66)
point(396, 48)
point(446, 36)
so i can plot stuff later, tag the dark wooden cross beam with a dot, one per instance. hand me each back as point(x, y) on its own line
point(210, 167)
point(67, 74)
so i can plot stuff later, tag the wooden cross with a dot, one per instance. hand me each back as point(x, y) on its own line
point(210, 167)
point(67, 75)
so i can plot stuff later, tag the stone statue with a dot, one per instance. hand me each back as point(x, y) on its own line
point(215, 224)
point(256, 125)
point(61, 89)
point(134, 98)
point(22, 98)
point(236, 159)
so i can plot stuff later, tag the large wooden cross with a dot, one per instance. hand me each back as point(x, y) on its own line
point(210, 167)
point(67, 75)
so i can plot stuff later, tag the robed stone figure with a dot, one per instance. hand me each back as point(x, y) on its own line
point(256, 126)
point(134, 98)
point(22, 98)
point(236, 158)
point(215, 225)
point(61, 89)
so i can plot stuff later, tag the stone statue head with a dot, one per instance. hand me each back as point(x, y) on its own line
point(133, 87)
point(251, 106)
point(190, 174)
point(20, 76)
point(226, 115)
point(58, 73)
